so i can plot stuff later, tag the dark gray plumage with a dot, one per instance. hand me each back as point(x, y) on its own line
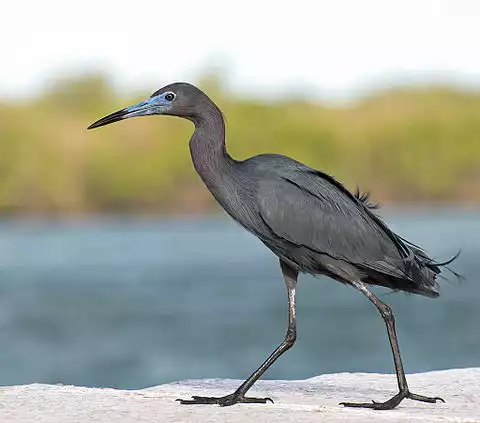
point(311, 222)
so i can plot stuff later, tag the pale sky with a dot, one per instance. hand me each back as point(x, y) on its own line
point(334, 47)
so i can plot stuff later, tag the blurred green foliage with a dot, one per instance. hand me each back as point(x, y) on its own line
point(404, 144)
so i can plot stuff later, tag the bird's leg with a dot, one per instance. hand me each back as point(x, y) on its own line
point(290, 275)
point(387, 316)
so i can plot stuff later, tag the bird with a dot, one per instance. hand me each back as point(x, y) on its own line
point(308, 219)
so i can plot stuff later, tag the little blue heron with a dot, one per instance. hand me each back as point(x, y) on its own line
point(309, 220)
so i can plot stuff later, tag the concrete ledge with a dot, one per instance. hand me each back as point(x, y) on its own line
point(311, 400)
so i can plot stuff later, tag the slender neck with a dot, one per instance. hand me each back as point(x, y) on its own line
point(207, 145)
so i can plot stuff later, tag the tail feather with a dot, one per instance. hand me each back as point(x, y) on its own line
point(416, 274)
point(424, 271)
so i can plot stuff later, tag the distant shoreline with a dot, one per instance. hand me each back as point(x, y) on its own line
point(405, 145)
point(386, 210)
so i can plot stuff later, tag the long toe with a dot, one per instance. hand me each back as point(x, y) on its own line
point(225, 401)
point(252, 400)
point(373, 405)
point(424, 399)
point(387, 405)
point(200, 400)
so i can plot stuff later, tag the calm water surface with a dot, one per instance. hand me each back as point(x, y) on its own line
point(132, 303)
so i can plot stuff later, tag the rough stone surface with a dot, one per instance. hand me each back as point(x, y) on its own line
point(311, 400)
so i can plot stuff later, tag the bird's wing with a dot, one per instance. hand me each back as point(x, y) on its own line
point(308, 208)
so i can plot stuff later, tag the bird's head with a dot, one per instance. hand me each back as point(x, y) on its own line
point(178, 99)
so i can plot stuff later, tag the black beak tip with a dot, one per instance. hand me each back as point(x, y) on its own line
point(99, 123)
point(107, 120)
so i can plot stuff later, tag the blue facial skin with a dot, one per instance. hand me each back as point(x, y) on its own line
point(156, 105)
point(152, 106)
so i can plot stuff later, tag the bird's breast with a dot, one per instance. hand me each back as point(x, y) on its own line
point(238, 200)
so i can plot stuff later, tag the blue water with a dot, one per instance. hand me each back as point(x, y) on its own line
point(131, 303)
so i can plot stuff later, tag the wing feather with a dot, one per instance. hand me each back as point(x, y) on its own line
point(306, 209)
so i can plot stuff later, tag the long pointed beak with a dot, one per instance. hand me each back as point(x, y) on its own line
point(151, 106)
point(111, 118)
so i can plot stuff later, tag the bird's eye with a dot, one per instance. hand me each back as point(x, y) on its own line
point(169, 96)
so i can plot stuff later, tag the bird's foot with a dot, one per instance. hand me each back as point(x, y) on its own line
point(226, 400)
point(392, 402)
